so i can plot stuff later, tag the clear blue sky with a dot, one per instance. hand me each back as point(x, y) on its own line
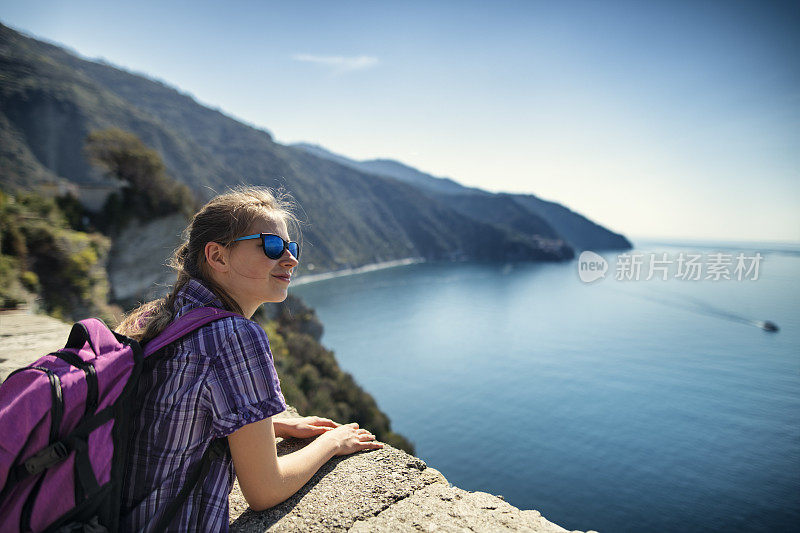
point(658, 119)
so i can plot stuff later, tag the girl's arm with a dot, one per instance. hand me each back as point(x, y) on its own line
point(267, 480)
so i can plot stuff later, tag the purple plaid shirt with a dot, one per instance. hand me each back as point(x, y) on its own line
point(211, 383)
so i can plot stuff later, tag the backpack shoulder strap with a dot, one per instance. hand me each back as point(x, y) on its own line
point(191, 321)
point(186, 324)
point(217, 448)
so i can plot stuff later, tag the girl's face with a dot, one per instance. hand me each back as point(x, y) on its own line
point(253, 278)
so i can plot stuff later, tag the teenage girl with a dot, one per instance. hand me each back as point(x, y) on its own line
point(220, 381)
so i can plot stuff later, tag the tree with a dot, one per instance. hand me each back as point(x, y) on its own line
point(148, 191)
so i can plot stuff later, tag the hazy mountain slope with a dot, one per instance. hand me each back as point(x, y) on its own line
point(53, 106)
point(390, 168)
point(52, 99)
point(18, 165)
point(398, 213)
point(246, 154)
point(579, 231)
point(389, 218)
point(252, 153)
point(500, 209)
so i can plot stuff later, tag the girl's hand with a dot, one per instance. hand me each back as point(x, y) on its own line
point(302, 428)
point(350, 439)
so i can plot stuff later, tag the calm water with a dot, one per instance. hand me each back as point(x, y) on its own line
point(616, 406)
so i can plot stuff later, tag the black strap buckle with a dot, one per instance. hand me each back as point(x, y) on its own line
point(52, 455)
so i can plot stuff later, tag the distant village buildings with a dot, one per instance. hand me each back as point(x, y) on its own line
point(92, 196)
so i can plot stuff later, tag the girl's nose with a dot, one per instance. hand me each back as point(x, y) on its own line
point(288, 259)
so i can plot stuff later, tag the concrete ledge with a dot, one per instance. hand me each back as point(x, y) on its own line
point(25, 337)
point(346, 489)
point(440, 507)
point(383, 490)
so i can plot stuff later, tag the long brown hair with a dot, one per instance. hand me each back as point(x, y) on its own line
point(222, 219)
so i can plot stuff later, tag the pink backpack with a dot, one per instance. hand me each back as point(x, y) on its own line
point(64, 423)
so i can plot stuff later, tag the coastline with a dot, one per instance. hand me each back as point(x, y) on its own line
point(312, 278)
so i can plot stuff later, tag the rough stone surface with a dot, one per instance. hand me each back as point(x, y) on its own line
point(383, 490)
point(343, 491)
point(24, 338)
point(439, 507)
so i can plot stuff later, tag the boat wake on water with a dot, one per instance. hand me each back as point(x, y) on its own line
point(696, 305)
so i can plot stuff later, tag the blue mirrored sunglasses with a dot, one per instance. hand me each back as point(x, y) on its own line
point(274, 245)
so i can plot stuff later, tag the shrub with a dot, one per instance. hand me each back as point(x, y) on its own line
point(43, 260)
point(148, 191)
point(311, 379)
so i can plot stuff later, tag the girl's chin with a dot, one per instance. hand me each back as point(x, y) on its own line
point(278, 296)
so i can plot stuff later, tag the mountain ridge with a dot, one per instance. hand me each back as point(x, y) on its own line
point(578, 230)
point(52, 99)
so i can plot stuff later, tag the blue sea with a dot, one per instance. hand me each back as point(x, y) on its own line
point(615, 405)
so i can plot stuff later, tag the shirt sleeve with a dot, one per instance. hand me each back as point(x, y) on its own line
point(242, 385)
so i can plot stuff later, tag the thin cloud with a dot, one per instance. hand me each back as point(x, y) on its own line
point(339, 62)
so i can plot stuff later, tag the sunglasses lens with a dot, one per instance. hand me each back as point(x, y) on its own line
point(294, 249)
point(273, 246)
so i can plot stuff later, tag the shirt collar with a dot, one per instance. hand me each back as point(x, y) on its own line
point(193, 295)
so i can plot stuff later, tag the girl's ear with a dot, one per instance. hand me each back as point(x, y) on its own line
point(217, 256)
